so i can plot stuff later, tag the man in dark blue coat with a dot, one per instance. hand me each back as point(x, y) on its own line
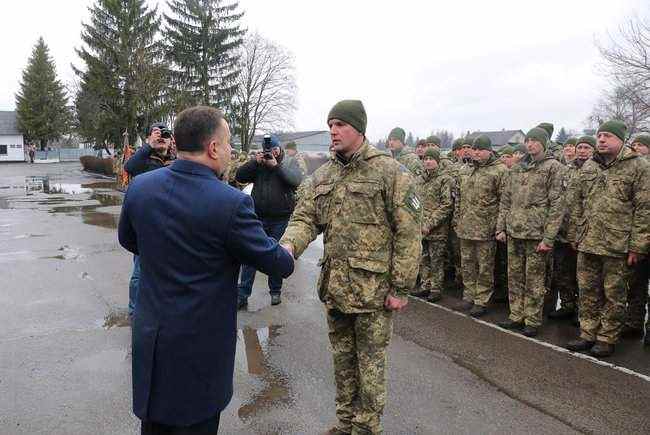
point(192, 232)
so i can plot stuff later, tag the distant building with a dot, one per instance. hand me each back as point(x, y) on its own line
point(11, 140)
point(307, 141)
point(501, 138)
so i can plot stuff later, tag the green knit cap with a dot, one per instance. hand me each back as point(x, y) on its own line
point(571, 141)
point(506, 151)
point(466, 141)
point(615, 127)
point(457, 144)
point(291, 146)
point(433, 139)
point(589, 140)
point(548, 128)
point(642, 138)
point(539, 134)
point(482, 142)
point(351, 112)
point(434, 153)
point(397, 133)
point(521, 148)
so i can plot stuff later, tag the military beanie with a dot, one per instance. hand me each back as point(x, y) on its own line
point(548, 128)
point(615, 127)
point(467, 141)
point(642, 138)
point(457, 144)
point(482, 142)
point(589, 140)
point(397, 133)
point(507, 151)
point(521, 148)
point(571, 141)
point(352, 112)
point(421, 142)
point(432, 152)
point(433, 139)
point(291, 146)
point(539, 134)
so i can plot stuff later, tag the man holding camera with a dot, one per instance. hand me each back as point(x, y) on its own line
point(274, 195)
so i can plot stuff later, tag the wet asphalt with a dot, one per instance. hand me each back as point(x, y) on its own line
point(65, 346)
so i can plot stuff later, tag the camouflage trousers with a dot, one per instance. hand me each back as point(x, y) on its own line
point(359, 344)
point(432, 265)
point(477, 260)
point(527, 271)
point(453, 269)
point(565, 281)
point(603, 284)
point(637, 296)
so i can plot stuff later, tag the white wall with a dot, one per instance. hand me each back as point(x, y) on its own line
point(15, 151)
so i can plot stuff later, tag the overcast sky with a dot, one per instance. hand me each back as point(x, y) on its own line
point(455, 64)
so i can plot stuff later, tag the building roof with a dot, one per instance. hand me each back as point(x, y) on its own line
point(497, 137)
point(8, 123)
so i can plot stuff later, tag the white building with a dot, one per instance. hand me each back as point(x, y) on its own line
point(11, 140)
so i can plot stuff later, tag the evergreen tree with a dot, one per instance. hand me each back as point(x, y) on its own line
point(562, 136)
point(409, 140)
point(122, 84)
point(203, 38)
point(41, 104)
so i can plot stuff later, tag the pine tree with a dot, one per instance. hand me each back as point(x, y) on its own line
point(562, 136)
point(122, 84)
point(41, 104)
point(203, 38)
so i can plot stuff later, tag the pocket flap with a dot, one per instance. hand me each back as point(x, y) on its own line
point(323, 189)
point(367, 189)
point(376, 266)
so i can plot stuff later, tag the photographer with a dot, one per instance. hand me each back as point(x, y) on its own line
point(154, 153)
point(274, 193)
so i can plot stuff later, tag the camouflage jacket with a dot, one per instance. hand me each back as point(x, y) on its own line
point(410, 160)
point(532, 202)
point(477, 203)
point(436, 194)
point(370, 216)
point(298, 161)
point(610, 213)
point(569, 182)
point(455, 170)
point(232, 171)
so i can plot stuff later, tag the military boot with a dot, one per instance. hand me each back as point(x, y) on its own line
point(602, 349)
point(478, 311)
point(335, 431)
point(422, 293)
point(530, 331)
point(434, 297)
point(580, 345)
point(510, 324)
point(464, 305)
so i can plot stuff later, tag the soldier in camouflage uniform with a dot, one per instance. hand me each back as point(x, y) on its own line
point(366, 206)
point(610, 224)
point(477, 210)
point(437, 204)
point(569, 150)
point(554, 148)
point(531, 212)
point(434, 141)
point(402, 153)
point(236, 160)
point(294, 159)
point(638, 290)
point(455, 150)
point(420, 148)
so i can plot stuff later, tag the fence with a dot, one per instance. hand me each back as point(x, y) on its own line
point(65, 154)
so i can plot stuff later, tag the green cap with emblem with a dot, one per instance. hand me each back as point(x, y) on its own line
point(433, 139)
point(351, 112)
point(397, 133)
point(589, 140)
point(642, 138)
point(482, 142)
point(538, 134)
point(432, 153)
point(455, 146)
point(548, 128)
point(615, 127)
point(571, 141)
point(507, 151)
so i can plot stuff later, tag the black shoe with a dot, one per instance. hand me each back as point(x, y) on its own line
point(478, 311)
point(602, 349)
point(562, 313)
point(276, 300)
point(242, 303)
point(580, 345)
point(434, 297)
point(464, 305)
point(530, 331)
point(631, 332)
point(510, 324)
point(421, 294)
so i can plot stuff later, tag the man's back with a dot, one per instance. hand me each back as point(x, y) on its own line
point(191, 232)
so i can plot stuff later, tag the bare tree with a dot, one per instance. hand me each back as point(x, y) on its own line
point(264, 99)
point(620, 103)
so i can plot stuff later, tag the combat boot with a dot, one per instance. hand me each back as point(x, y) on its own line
point(602, 349)
point(530, 331)
point(423, 294)
point(562, 313)
point(510, 324)
point(478, 311)
point(434, 297)
point(464, 305)
point(580, 345)
point(335, 431)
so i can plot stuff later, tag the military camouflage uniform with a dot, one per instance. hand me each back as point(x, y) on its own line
point(370, 217)
point(236, 163)
point(437, 201)
point(453, 264)
point(410, 160)
point(610, 217)
point(477, 208)
point(532, 209)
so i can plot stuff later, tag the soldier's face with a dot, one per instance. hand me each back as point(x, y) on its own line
point(507, 160)
point(345, 138)
point(466, 152)
point(481, 155)
point(569, 152)
point(640, 148)
point(584, 151)
point(430, 163)
point(534, 147)
point(395, 144)
point(608, 143)
point(291, 152)
point(419, 150)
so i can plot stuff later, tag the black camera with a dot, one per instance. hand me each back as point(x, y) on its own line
point(267, 147)
point(165, 133)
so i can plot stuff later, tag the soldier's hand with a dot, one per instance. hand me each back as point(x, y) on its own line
point(633, 258)
point(501, 237)
point(543, 248)
point(393, 303)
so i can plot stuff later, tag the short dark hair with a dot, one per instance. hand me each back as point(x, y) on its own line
point(195, 126)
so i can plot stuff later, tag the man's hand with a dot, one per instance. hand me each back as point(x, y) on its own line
point(271, 163)
point(501, 237)
point(287, 247)
point(633, 258)
point(543, 248)
point(393, 303)
point(259, 157)
point(154, 138)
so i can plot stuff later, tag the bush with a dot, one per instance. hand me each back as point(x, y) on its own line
point(97, 165)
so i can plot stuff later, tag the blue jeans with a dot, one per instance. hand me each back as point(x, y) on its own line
point(275, 229)
point(134, 284)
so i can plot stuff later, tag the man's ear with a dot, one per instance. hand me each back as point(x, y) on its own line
point(212, 150)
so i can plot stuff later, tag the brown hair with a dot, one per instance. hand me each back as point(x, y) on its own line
point(195, 126)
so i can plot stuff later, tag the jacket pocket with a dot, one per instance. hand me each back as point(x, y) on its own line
point(323, 200)
point(361, 202)
point(323, 278)
point(368, 281)
point(616, 238)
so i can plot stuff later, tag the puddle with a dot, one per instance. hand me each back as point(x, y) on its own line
point(117, 317)
point(276, 387)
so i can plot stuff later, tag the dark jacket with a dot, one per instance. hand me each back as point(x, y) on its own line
point(274, 190)
point(192, 232)
point(144, 160)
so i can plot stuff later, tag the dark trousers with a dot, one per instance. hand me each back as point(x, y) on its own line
point(275, 229)
point(207, 427)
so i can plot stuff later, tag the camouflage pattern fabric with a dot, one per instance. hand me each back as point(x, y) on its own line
point(477, 262)
point(435, 193)
point(432, 266)
point(526, 281)
point(637, 297)
point(565, 281)
point(297, 161)
point(603, 282)
point(453, 269)
point(410, 160)
point(359, 343)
